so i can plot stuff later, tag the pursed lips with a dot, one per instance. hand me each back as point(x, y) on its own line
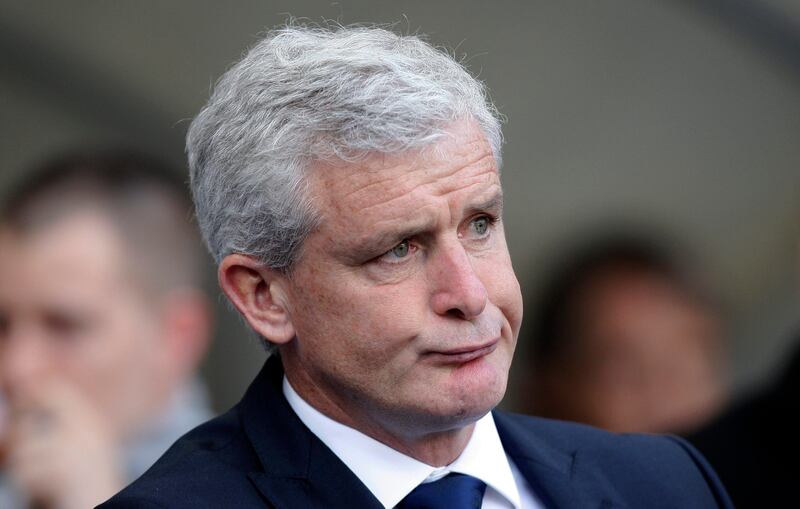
point(463, 354)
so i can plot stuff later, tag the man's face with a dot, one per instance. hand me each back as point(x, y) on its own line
point(650, 355)
point(404, 301)
point(69, 315)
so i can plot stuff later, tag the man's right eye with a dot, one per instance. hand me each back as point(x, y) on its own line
point(398, 253)
point(65, 327)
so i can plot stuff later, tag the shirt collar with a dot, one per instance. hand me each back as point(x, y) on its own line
point(391, 475)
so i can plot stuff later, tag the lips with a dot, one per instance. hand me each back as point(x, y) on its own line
point(463, 354)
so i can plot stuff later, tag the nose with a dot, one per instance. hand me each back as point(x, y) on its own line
point(458, 291)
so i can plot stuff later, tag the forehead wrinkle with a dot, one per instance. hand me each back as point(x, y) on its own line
point(417, 220)
point(368, 196)
point(459, 186)
point(400, 186)
point(326, 188)
point(486, 174)
point(428, 162)
point(390, 202)
point(371, 183)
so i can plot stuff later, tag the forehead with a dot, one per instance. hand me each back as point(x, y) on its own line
point(461, 164)
point(640, 306)
point(630, 288)
point(73, 258)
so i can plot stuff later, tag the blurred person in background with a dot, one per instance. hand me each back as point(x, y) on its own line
point(754, 444)
point(625, 339)
point(102, 326)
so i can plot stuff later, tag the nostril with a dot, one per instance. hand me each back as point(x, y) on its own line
point(456, 313)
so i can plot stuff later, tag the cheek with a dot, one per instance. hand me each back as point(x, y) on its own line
point(357, 323)
point(117, 361)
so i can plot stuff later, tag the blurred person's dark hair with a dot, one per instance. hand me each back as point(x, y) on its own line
point(584, 281)
point(146, 200)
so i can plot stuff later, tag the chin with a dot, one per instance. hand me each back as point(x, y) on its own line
point(479, 405)
point(451, 398)
point(467, 402)
point(479, 384)
point(459, 417)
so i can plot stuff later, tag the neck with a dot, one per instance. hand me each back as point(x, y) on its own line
point(435, 447)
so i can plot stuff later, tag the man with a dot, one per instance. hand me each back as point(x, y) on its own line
point(346, 181)
point(102, 325)
point(625, 339)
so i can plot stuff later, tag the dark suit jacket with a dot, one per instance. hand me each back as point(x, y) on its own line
point(755, 446)
point(260, 455)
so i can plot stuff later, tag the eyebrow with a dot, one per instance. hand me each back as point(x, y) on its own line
point(376, 244)
point(493, 204)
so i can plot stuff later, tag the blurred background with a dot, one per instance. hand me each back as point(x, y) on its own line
point(680, 118)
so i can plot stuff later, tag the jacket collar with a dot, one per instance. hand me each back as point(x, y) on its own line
point(298, 469)
point(560, 478)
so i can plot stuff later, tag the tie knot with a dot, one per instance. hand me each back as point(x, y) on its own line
point(453, 491)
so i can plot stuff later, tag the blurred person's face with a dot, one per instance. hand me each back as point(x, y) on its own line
point(69, 314)
point(404, 302)
point(650, 356)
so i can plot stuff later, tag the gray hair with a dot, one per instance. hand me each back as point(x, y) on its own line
point(304, 94)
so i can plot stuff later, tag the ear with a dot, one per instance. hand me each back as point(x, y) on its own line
point(258, 293)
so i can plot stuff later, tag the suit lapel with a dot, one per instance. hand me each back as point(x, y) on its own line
point(560, 478)
point(299, 470)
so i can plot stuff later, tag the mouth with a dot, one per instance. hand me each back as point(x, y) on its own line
point(463, 354)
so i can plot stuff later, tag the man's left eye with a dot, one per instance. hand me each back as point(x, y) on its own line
point(400, 250)
point(481, 225)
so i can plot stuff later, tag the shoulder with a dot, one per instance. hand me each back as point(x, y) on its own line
point(638, 466)
point(570, 437)
point(204, 468)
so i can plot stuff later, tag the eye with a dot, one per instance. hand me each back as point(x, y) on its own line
point(4, 326)
point(480, 228)
point(481, 225)
point(65, 327)
point(398, 253)
point(400, 250)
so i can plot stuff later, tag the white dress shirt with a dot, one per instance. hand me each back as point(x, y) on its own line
point(391, 475)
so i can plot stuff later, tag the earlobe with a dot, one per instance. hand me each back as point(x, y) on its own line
point(257, 293)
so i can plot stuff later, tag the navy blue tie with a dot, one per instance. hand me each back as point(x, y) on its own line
point(453, 491)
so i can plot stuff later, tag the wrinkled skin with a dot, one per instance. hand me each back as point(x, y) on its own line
point(404, 302)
